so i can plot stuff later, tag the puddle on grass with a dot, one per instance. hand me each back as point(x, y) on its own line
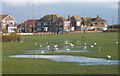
point(81, 60)
point(60, 49)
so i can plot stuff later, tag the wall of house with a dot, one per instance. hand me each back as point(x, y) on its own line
point(52, 26)
point(7, 21)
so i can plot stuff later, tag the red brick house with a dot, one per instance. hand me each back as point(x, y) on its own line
point(7, 23)
point(52, 23)
point(27, 26)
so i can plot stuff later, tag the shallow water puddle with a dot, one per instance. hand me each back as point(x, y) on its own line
point(60, 49)
point(67, 58)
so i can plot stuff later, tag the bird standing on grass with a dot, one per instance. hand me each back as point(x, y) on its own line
point(42, 52)
point(92, 46)
point(95, 43)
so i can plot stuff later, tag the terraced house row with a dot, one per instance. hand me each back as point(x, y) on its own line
point(57, 23)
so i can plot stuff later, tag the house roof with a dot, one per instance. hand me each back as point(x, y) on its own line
point(96, 19)
point(2, 17)
point(56, 18)
point(28, 22)
point(75, 18)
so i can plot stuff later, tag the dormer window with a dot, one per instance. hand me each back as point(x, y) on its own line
point(102, 23)
point(95, 23)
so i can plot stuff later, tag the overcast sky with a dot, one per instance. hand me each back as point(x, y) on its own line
point(23, 10)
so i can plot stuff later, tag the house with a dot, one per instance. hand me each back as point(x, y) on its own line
point(75, 22)
point(7, 23)
point(96, 23)
point(52, 23)
point(27, 26)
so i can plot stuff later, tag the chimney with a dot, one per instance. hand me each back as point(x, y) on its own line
point(97, 16)
point(68, 17)
point(52, 17)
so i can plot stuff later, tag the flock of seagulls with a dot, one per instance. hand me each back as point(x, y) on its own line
point(68, 50)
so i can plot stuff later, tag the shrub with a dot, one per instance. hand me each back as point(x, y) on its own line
point(12, 37)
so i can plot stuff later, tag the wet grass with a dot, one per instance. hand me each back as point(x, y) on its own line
point(44, 66)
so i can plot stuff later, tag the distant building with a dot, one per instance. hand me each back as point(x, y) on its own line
point(97, 23)
point(27, 26)
point(7, 23)
point(75, 22)
point(52, 23)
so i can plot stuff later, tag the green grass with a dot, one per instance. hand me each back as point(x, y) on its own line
point(44, 66)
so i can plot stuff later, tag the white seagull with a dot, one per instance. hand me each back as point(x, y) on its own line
point(40, 45)
point(116, 42)
point(68, 50)
point(72, 45)
point(55, 46)
point(92, 46)
point(48, 46)
point(42, 52)
point(85, 47)
point(35, 43)
point(109, 56)
point(95, 43)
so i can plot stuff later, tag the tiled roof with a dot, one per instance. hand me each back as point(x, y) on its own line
point(75, 18)
point(2, 17)
point(96, 19)
point(56, 18)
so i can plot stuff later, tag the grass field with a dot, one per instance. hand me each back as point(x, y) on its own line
point(44, 66)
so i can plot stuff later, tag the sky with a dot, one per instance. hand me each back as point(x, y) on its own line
point(22, 10)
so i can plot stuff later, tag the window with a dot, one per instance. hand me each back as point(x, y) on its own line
point(66, 23)
point(78, 23)
point(4, 22)
point(60, 24)
point(38, 29)
point(45, 23)
point(102, 23)
point(60, 28)
point(38, 23)
point(50, 23)
point(11, 22)
point(45, 28)
point(95, 23)
point(57, 23)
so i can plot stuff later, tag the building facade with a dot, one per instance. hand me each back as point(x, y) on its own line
point(76, 22)
point(52, 23)
point(98, 23)
point(27, 26)
point(7, 23)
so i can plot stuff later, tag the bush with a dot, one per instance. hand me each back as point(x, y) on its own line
point(12, 37)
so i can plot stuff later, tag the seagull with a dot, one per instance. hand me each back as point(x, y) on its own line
point(109, 56)
point(35, 43)
point(99, 50)
point(85, 47)
point(68, 50)
point(48, 46)
point(42, 52)
point(92, 46)
point(72, 45)
point(40, 45)
point(95, 43)
point(55, 46)
point(116, 42)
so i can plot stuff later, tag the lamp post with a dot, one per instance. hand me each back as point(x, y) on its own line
point(33, 20)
